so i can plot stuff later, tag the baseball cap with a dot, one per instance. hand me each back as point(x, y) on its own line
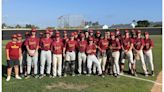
point(98, 32)
point(72, 34)
point(14, 36)
point(146, 33)
point(19, 35)
point(112, 33)
point(75, 33)
point(82, 35)
point(138, 31)
point(90, 38)
point(47, 32)
point(33, 30)
point(126, 31)
point(57, 32)
point(57, 35)
point(90, 31)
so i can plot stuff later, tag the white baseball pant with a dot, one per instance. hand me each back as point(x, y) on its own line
point(92, 59)
point(45, 56)
point(70, 56)
point(142, 61)
point(129, 56)
point(21, 64)
point(148, 56)
point(32, 61)
point(57, 64)
point(103, 59)
point(116, 67)
point(82, 61)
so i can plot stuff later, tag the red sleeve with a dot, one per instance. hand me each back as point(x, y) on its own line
point(118, 43)
point(152, 43)
point(51, 46)
point(26, 42)
point(143, 43)
point(8, 45)
point(37, 41)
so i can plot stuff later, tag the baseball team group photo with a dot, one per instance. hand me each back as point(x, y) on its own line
point(58, 46)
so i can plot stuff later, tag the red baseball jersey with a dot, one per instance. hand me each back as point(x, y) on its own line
point(45, 44)
point(115, 43)
point(57, 47)
point(71, 45)
point(32, 43)
point(96, 40)
point(126, 43)
point(65, 39)
point(103, 44)
point(138, 42)
point(148, 43)
point(13, 50)
point(91, 49)
point(82, 46)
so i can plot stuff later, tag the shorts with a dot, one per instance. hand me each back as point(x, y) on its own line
point(12, 63)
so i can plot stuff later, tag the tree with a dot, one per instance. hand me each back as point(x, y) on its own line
point(4, 25)
point(143, 23)
point(17, 26)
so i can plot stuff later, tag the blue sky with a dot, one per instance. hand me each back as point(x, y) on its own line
point(45, 12)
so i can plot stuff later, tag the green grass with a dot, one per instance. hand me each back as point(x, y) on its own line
point(94, 83)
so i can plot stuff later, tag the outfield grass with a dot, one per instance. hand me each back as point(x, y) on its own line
point(92, 84)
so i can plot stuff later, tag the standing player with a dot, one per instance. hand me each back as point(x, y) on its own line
point(57, 49)
point(45, 55)
point(13, 53)
point(148, 56)
point(32, 45)
point(103, 44)
point(82, 44)
point(70, 56)
point(127, 45)
point(114, 45)
point(138, 49)
point(91, 58)
point(19, 41)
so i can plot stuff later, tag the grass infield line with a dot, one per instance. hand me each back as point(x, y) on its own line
point(142, 79)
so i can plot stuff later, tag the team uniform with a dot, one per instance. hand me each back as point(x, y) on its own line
point(115, 55)
point(70, 56)
point(82, 45)
point(92, 59)
point(33, 44)
point(103, 44)
point(139, 42)
point(148, 56)
point(57, 49)
point(45, 55)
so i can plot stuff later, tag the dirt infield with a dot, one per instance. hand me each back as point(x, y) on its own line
point(158, 88)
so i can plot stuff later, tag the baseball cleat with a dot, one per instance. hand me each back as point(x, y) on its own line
point(36, 76)
point(18, 77)
point(8, 78)
point(27, 77)
point(152, 73)
point(88, 75)
point(65, 75)
point(40, 77)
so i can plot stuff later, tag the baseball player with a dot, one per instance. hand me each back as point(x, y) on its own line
point(127, 45)
point(32, 45)
point(138, 49)
point(148, 56)
point(19, 41)
point(91, 58)
point(103, 44)
point(70, 55)
point(86, 35)
point(13, 54)
point(114, 45)
point(91, 33)
point(45, 55)
point(57, 49)
point(82, 44)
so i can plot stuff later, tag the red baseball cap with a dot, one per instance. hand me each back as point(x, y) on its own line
point(72, 34)
point(90, 38)
point(98, 32)
point(126, 31)
point(138, 31)
point(82, 35)
point(112, 33)
point(57, 32)
point(65, 32)
point(90, 31)
point(14, 36)
point(19, 35)
point(49, 29)
point(146, 33)
point(75, 33)
point(33, 30)
point(47, 32)
point(57, 35)
point(26, 33)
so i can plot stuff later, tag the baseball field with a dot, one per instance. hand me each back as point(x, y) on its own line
point(84, 83)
